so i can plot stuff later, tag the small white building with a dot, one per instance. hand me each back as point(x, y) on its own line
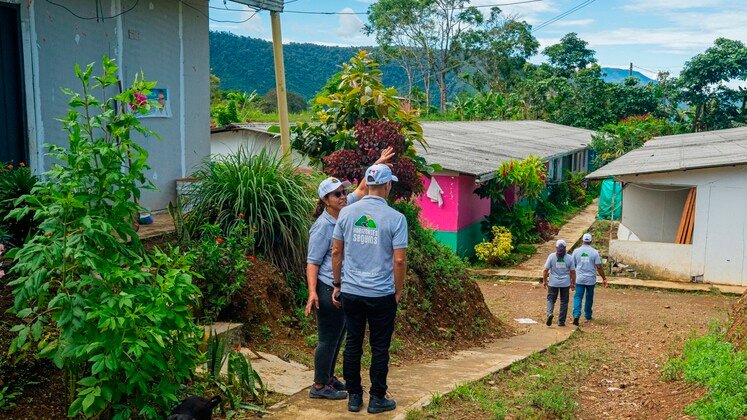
point(657, 179)
point(252, 137)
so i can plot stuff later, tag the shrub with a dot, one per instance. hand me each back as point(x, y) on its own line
point(614, 140)
point(116, 319)
point(222, 261)
point(545, 229)
point(495, 251)
point(276, 198)
point(373, 137)
point(520, 220)
point(14, 183)
point(714, 363)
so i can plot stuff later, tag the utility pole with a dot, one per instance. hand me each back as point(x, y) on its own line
point(630, 74)
point(277, 52)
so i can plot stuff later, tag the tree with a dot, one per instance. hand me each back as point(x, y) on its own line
point(570, 54)
point(703, 82)
point(496, 50)
point(269, 103)
point(426, 31)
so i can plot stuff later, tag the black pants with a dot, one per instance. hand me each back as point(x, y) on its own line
point(379, 313)
point(330, 327)
point(552, 296)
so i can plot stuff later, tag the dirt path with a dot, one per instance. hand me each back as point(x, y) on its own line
point(634, 331)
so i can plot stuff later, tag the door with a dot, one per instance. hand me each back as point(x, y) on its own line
point(12, 122)
point(725, 249)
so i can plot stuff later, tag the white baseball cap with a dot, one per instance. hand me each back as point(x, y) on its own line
point(586, 238)
point(560, 243)
point(330, 184)
point(379, 174)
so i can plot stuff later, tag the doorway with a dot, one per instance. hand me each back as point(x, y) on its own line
point(13, 144)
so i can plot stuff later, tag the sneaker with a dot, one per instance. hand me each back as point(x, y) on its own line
point(327, 393)
point(380, 405)
point(337, 384)
point(575, 321)
point(355, 401)
point(549, 320)
point(561, 325)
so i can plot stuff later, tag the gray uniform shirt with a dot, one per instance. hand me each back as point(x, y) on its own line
point(586, 259)
point(560, 270)
point(371, 231)
point(320, 243)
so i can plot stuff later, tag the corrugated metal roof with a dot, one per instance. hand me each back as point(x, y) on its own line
point(257, 127)
point(478, 147)
point(685, 151)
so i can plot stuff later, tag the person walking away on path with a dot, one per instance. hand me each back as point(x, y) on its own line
point(371, 239)
point(561, 270)
point(588, 263)
point(330, 320)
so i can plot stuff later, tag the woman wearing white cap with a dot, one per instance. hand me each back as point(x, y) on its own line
point(330, 319)
point(561, 270)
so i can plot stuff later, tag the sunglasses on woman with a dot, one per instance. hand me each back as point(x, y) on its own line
point(337, 194)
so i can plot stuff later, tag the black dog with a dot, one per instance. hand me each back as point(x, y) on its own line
point(195, 408)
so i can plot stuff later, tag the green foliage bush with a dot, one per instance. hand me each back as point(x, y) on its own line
point(615, 139)
point(275, 197)
point(496, 250)
point(712, 362)
point(115, 318)
point(431, 260)
point(221, 262)
point(15, 183)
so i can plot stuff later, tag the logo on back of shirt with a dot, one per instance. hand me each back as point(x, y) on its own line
point(366, 221)
point(365, 231)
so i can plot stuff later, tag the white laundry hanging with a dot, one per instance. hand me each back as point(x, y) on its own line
point(435, 192)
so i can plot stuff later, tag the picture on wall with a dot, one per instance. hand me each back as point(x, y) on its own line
point(163, 107)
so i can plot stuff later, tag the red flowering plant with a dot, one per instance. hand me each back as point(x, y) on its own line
point(372, 137)
point(222, 260)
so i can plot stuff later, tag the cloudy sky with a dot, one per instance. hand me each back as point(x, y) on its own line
point(656, 35)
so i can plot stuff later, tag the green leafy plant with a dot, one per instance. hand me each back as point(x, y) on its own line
point(714, 363)
point(15, 182)
point(115, 318)
point(275, 197)
point(356, 93)
point(496, 250)
point(614, 140)
point(222, 261)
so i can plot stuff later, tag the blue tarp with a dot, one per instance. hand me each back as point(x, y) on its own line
point(610, 198)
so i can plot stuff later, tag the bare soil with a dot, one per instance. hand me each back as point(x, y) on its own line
point(737, 332)
point(633, 333)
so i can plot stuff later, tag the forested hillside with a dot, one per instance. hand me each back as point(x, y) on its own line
point(245, 64)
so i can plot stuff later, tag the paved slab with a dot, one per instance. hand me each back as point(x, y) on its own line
point(281, 376)
point(414, 386)
point(676, 285)
point(162, 225)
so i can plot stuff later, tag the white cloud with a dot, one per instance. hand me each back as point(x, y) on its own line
point(659, 6)
point(253, 27)
point(573, 23)
point(349, 25)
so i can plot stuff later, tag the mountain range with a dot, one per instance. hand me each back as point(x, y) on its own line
point(244, 63)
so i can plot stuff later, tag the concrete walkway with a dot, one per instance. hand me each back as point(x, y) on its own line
point(414, 386)
point(571, 232)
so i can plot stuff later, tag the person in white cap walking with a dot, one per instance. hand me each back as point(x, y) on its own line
point(371, 238)
point(558, 277)
point(588, 263)
point(330, 320)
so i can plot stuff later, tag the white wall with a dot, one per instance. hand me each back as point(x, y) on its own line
point(165, 40)
point(228, 142)
point(720, 228)
point(666, 261)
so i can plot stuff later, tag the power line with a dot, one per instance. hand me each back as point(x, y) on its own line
point(219, 20)
point(562, 15)
point(97, 17)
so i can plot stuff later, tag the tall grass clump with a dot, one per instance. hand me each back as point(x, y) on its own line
point(274, 197)
point(714, 363)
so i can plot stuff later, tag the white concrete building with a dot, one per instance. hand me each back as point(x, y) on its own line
point(252, 137)
point(40, 43)
point(657, 178)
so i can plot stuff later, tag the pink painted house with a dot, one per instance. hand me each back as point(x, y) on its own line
point(470, 152)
